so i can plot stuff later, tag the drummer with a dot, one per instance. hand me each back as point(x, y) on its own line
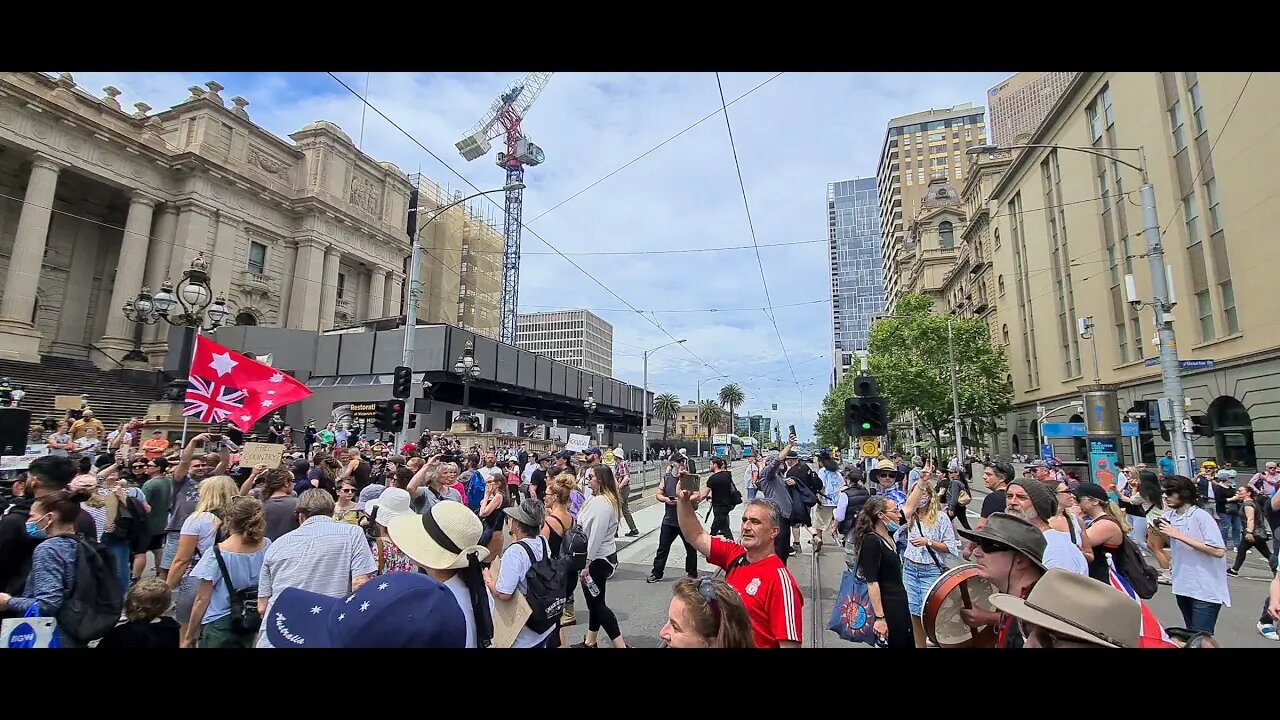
point(1009, 552)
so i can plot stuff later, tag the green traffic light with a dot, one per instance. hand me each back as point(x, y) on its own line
point(866, 426)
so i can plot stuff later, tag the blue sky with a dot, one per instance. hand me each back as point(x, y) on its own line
point(794, 135)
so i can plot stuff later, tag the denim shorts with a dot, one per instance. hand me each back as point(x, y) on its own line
point(170, 549)
point(918, 578)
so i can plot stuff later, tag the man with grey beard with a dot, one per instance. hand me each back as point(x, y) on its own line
point(1032, 501)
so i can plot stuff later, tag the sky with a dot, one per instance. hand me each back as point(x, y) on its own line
point(794, 134)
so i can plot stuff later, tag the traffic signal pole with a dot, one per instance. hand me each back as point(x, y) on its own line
point(957, 427)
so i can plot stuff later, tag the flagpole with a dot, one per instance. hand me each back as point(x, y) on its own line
point(182, 443)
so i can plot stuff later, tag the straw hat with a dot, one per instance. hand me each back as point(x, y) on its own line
point(441, 538)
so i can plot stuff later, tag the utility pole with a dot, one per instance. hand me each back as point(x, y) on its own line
point(957, 426)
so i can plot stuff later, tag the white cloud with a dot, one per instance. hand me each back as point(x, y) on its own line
point(794, 135)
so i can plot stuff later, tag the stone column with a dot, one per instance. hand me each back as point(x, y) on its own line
point(190, 238)
point(117, 341)
point(19, 340)
point(287, 280)
point(304, 302)
point(377, 290)
point(394, 306)
point(158, 267)
point(329, 287)
point(224, 264)
point(70, 338)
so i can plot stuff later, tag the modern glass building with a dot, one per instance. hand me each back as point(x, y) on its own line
point(857, 268)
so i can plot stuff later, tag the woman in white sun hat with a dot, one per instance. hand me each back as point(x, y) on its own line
point(389, 505)
point(445, 541)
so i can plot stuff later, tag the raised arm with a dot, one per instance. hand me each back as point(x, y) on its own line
point(690, 527)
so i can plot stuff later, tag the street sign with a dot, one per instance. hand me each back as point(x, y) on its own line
point(775, 406)
point(1046, 452)
point(869, 446)
point(1184, 364)
point(1067, 429)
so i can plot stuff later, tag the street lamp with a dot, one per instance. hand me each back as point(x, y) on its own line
point(415, 277)
point(1161, 303)
point(187, 306)
point(590, 406)
point(468, 371)
point(644, 426)
point(697, 412)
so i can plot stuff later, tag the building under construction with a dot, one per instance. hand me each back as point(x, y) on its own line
point(461, 261)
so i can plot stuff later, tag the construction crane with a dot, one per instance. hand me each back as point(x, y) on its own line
point(504, 118)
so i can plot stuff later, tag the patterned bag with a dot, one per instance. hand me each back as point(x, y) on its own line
point(851, 617)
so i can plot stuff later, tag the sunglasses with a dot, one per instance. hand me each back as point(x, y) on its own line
point(991, 546)
point(348, 490)
point(708, 593)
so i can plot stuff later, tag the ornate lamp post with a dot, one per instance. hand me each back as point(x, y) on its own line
point(590, 406)
point(468, 371)
point(188, 306)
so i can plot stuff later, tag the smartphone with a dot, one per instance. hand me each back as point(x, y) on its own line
point(214, 437)
point(690, 482)
point(792, 430)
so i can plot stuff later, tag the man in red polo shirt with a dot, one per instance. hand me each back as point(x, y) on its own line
point(767, 587)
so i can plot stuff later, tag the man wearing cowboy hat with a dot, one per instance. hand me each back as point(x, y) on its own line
point(1066, 609)
point(1009, 552)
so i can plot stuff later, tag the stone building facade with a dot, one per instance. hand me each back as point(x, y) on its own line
point(97, 202)
point(932, 245)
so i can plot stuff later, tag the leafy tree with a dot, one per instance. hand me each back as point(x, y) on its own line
point(665, 408)
point(710, 415)
point(732, 396)
point(908, 355)
point(829, 427)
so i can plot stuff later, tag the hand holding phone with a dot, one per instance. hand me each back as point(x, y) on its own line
point(689, 481)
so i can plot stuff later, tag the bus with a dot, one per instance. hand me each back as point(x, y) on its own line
point(748, 446)
point(727, 445)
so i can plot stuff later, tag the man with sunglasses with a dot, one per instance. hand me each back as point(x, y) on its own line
point(1009, 552)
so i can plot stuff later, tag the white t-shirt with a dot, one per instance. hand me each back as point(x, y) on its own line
point(515, 565)
point(1195, 574)
point(1063, 554)
point(460, 592)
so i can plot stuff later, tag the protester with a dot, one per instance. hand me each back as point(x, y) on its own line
point(53, 563)
point(1199, 575)
point(599, 519)
point(875, 558)
point(197, 536)
point(527, 548)
point(706, 613)
point(1067, 609)
point(930, 538)
point(236, 560)
point(1008, 551)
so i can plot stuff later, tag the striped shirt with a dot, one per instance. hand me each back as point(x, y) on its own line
point(322, 556)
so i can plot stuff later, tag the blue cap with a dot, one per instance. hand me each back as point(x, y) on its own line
point(565, 454)
point(595, 451)
point(396, 610)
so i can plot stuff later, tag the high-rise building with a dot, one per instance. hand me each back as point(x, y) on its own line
point(918, 148)
point(576, 337)
point(1017, 105)
point(857, 268)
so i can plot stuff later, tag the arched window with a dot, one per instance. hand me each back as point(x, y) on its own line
point(946, 235)
point(1000, 283)
point(1004, 333)
point(246, 318)
point(1232, 433)
point(1081, 446)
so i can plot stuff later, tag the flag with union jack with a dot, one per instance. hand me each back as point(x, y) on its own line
point(210, 401)
point(1153, 634)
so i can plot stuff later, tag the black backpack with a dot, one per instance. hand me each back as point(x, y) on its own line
point(858, 497)
point(132, 524)
point(245, 618)
point(548, 585)
point(96, 599)
point(1261, 506)
point(1130, 563)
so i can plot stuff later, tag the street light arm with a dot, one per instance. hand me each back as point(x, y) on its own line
point(983, 149)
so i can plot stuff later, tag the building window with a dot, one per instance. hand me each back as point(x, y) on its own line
point(946, 235)
point(1004, 333)
point(1105, 190)
point(1095, 124)
point(257, 258)
point(342, 285)
point(1215, 220)
point(996, 234)
point(1106, 107)
point(1189, 212)
point(1136, 323)
point(1176, 126)
point(1122, 341)
point(1115, 267)
point(1229, 307)
point(1205, 306)
point(1197, 109)
point(246, 318)
point(1000, 284)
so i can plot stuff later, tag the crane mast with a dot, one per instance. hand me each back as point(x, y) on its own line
point(504, 119)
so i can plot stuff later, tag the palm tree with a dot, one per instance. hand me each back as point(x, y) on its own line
point(731, 395)
point(665, 408)
point(710, 415)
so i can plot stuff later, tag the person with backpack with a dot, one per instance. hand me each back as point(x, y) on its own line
point(227, 600)
point(853, 495)
point(1105, 527)
point(724, 497)
point(1257, 534)
point(599, 519)
point(56, 571)
point(527, 567)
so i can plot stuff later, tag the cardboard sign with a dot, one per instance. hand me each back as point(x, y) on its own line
point(256, 453)
point(578, 442)
point(509, 616)
point(66, 402)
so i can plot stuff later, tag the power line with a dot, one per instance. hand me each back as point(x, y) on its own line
point(764, 282)
point(653, 149)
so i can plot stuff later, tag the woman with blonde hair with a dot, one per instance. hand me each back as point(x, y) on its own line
point(1104, 527)
point(196, 537)
point(706, 613)
point(237, 560)
point(556, 523)
point(930, 538)
point(598, 519)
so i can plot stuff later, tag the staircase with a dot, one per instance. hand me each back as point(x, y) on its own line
point(113, 399)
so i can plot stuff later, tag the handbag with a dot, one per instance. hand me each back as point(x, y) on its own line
point(853, 615)
point(245, 618)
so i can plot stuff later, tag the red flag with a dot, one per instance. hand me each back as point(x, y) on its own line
point(226, 374)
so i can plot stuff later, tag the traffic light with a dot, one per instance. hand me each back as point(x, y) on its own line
point(866, 386)
point(402, 382)
point(389, 416)
point(866, 416)
point(1201, 426)
point(853, 417)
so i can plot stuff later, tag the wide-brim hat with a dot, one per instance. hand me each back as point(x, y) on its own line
point(886, 466)
point(441, 538)
point(1014, 532)
point(1079, 607)
point(518, 514)
point(391, 504)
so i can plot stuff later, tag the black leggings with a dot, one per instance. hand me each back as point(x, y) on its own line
point(720, 523)
point(1251, 541)
point(598, 613)
point(782, 543)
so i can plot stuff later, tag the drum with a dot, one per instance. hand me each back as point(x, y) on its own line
point(961, 587)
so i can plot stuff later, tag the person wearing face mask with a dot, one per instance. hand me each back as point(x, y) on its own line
point(874, 555)
point(52, 523)
point(45, 475)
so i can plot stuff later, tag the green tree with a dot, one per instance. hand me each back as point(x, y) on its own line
point(829, 427)
point(732, 396)
point(908, 356)
point(665, 408)
point(710, 415)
